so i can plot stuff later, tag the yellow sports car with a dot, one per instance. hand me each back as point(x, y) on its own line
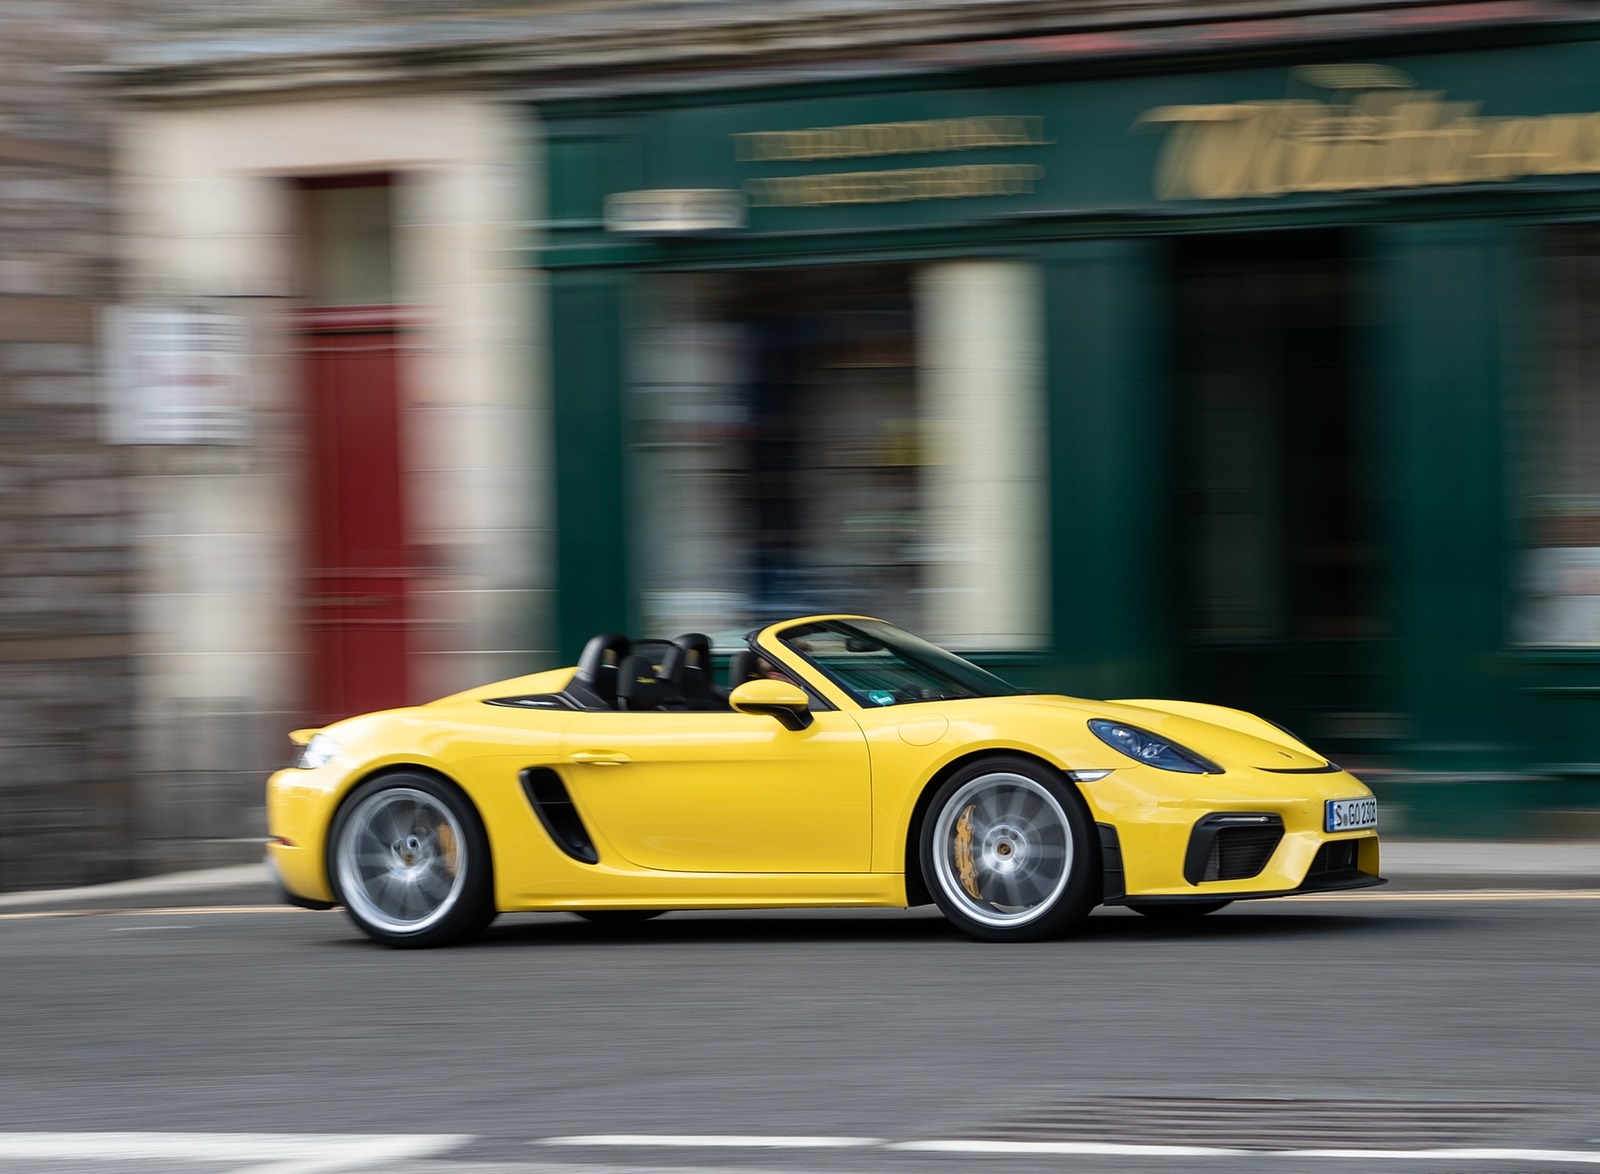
point(844, 763)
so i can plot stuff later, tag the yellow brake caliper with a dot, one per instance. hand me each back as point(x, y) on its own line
point(447, 845)
point(964, 863)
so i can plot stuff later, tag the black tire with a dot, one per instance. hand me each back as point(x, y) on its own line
point(1177, 912)
point(1008, 851)
point(618, 918)
point(409, 861)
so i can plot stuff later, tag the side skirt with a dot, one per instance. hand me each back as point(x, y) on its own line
point(602, 887)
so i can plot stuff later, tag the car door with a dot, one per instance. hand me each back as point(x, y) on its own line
point(723, 792)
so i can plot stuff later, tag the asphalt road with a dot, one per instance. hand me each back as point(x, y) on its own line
point(1464, 1027)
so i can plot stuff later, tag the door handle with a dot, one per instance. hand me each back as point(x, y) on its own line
point(599, 757)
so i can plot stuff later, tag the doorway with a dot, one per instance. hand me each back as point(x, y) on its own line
point(358, 572)
point(1274, 579)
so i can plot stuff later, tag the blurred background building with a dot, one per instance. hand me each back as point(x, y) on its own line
point(341, 501)
point(1233, 354)
point(1239, 351)
point(67, 773)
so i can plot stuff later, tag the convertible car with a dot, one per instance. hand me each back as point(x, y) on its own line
point(844, 762)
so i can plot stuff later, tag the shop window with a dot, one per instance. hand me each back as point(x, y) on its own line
point(863, 439)
point(1560, 597)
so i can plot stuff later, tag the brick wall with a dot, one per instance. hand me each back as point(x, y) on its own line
point(66, 730)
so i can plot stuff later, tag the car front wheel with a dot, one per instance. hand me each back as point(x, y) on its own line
point(410, 862)
point(1008, 853)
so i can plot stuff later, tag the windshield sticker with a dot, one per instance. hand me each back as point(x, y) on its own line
point(881, 697)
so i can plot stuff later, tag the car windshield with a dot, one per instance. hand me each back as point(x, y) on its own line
point(878, 664)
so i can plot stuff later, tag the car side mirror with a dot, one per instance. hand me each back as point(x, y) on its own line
point(780, 699)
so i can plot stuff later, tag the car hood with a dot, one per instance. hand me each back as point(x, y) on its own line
point(1230, 737)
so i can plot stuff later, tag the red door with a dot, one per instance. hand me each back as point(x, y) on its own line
point(359, 568)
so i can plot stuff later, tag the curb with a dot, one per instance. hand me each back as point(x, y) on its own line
point(172, 884)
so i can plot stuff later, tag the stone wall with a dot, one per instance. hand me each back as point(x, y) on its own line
point(204, 49)
point(66, 681)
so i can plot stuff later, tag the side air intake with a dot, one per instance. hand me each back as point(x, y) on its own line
point(547, 794)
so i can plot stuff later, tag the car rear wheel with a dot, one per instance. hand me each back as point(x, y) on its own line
point(1007, 851)
point(1177, 912)
point(410, 862)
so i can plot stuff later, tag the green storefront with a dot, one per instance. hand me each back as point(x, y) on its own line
point(1264, 381)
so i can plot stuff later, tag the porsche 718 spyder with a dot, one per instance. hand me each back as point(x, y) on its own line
point(840, 762)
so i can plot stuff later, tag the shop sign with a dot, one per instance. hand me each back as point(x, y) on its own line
point(1378, 131)
point(877, 139)
point(175, 375)
point(671, 211)
point(873, 139)
point(897, 186)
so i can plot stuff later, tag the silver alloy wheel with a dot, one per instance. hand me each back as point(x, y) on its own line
point(402, 860)
point(1003, 849)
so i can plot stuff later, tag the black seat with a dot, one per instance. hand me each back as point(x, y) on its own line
point(638, 687)
point(686, 672)
point(594, 685)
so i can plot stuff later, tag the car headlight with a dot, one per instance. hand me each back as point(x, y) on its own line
point(320, 751)
point(1144, 747)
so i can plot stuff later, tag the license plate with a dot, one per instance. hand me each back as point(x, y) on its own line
point(1350, 815)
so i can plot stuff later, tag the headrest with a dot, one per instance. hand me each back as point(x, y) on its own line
point(638, 687)
point(687, 667)
point(597, 667)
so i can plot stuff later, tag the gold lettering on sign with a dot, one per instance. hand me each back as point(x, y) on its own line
point(1379, 138)
point(868, 139)
point(890, 187)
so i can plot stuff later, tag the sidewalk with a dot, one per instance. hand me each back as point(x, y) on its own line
point(240, 884)
point(1557, 864)
point(1409, 865)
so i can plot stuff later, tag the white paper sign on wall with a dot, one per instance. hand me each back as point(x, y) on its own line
point(175, 375)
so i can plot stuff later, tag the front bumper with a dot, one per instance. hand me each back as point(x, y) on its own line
point(1161, 845)
point(298, 808)
point(1330, 872)
point(284, 895)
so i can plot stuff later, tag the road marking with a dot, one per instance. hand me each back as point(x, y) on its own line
point(1059, 1148)
point(259, 1153)
point(147, 928)
point(1102, 1148)
point(1574, 1157)
point(1459, 895)
point(716, 1141)
point(976, 1148)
